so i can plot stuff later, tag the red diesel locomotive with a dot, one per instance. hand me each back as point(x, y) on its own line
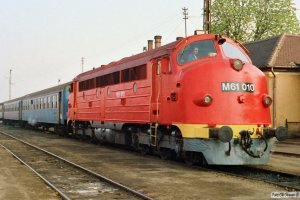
point(198, 98)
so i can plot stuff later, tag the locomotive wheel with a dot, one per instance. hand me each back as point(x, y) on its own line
point(192, 158)
point(165, 153)
point(145, 149)
point(189, 158)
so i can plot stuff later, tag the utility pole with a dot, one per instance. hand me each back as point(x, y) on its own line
point(206, 16)
point(185, 17)
point(82, 62)
point(10, 84)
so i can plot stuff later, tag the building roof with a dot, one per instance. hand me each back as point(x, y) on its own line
point(279, 52)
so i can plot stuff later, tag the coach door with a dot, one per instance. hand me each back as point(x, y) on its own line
point(20, 109)
point(60, 107)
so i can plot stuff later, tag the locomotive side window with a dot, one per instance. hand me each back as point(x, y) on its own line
point(232, 51)
point(195, 51)
point(87, 85)
point(134, 73)
point(108, 79)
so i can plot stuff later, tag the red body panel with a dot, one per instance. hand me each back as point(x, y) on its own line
point(171, 97)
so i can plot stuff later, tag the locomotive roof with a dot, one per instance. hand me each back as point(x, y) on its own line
point(132, 61)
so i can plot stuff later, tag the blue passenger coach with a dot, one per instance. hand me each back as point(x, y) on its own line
point(12, 111)
point(46, 108)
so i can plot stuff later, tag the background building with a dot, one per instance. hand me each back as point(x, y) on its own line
point(279, 58)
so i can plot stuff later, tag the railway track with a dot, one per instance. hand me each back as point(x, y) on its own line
point(293, 144)
point(277, 178)
point(285, 180)
point(296, 155)
point(69, 180)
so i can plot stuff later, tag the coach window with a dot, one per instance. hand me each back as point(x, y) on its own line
point(195, 51)
point(53, 101)
point(56, 103)
point(49, 102)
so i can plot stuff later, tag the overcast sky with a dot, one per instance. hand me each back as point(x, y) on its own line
point(43, 41)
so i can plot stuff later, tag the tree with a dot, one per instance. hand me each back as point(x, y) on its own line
point(248, 20)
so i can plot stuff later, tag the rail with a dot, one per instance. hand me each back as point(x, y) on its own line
point(64, 196)
point(285, 180)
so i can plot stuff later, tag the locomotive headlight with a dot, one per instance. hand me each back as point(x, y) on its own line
point(203, 99)
point(236, 64)
point(207, 100)
point(267, 100)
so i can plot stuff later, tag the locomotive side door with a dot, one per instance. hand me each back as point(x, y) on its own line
point(156, 91)
point(160, 71)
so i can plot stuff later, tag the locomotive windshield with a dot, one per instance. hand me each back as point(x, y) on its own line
point(232, 51)
point(195, 51)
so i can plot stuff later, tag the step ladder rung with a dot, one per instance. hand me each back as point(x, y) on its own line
point(153, 134)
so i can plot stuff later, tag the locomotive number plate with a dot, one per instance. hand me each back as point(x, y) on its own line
point(237, 87)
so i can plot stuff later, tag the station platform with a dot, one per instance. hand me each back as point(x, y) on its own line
point(290, 146)
point(285, 156)
point(18, 182)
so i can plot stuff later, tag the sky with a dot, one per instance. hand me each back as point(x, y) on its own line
point(43, 41)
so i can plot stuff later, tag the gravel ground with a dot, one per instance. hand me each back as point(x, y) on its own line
point(18, 182)
point(157, 178)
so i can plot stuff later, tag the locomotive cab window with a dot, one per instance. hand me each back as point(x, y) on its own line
point(195, 51)
point(232, 51)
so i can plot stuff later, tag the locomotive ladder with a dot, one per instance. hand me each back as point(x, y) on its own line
point(153, 134)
